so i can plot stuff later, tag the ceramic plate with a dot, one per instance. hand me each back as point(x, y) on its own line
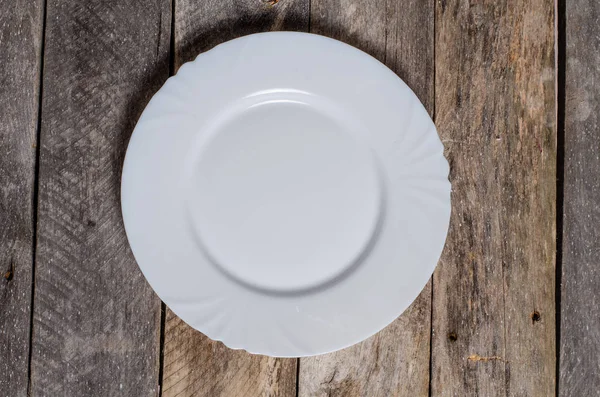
point(286, 194)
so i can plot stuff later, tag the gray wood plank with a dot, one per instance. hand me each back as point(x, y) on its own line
point(580, 294)
point(199, 26)
point(395, 362)
point(20, 46)
point(193, 364)
point(96, 321)
point(494, 291)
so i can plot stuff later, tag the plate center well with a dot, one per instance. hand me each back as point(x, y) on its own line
point(283, 197)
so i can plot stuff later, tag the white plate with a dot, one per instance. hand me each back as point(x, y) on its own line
point(286, 194)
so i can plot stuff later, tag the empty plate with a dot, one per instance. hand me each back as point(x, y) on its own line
point(287, 194)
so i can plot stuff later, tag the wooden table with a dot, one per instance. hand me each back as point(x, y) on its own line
point(513, 308)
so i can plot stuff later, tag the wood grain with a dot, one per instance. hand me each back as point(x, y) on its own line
point(580, 301)
point(20, 46)
point(395, 362)
point(493, 297)
point(199, 26)
point(96, 321)
point(198, 366)
point(193, 364)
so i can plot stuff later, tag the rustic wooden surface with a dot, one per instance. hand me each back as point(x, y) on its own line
point(485, 70)
point(197, 366)
point(193, 364)
point(201, 25)
point(96, 324)
point(580, 302)
point(394, 362)
point(20, 46)
point(493, 292)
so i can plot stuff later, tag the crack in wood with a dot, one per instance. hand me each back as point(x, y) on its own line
point(477, 357)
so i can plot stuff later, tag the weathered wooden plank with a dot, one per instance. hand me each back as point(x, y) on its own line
point(96, 321)
point(493, 297)
point(199, 26)
point(580, 294)
point(193, 364)
point(198, 366)
point(20, 46)
point(395, 362)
